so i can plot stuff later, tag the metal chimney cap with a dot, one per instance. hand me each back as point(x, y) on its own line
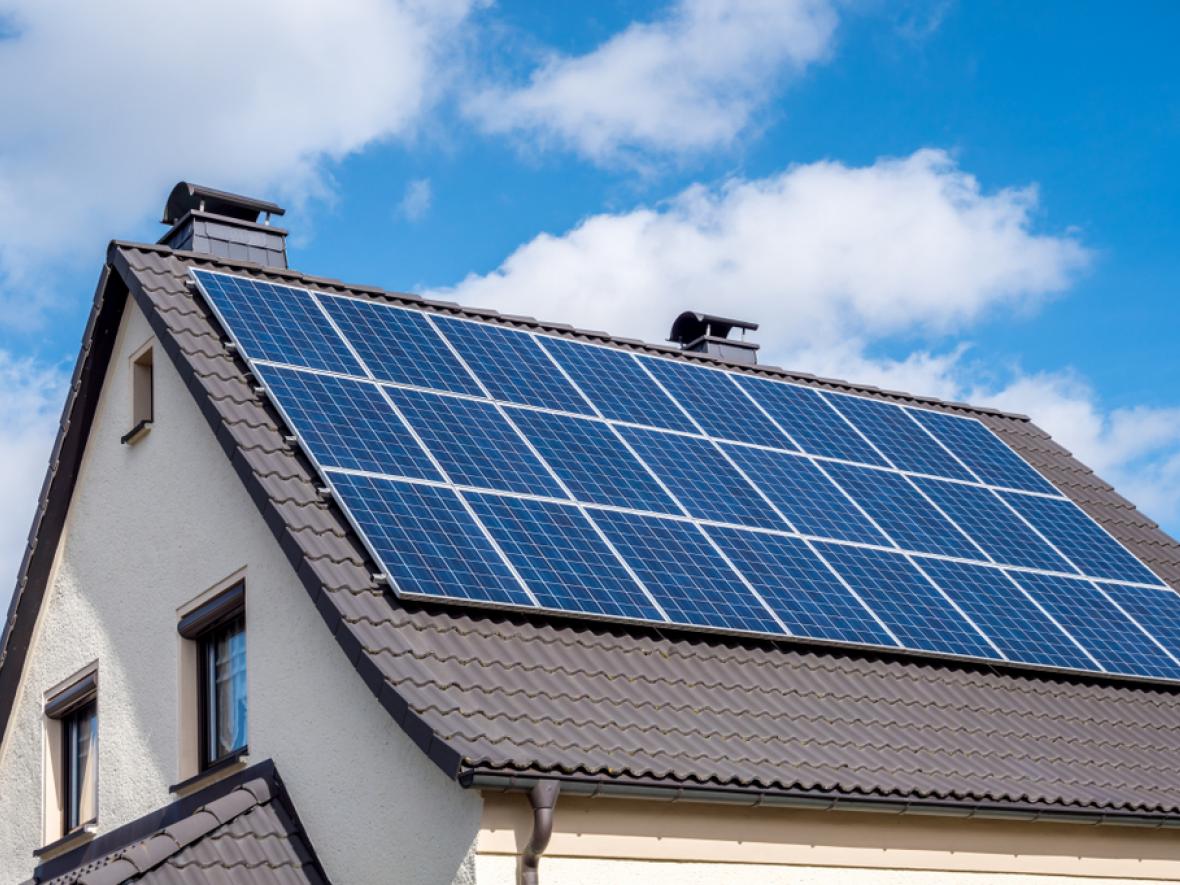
point(691, 326)
point(186, 197)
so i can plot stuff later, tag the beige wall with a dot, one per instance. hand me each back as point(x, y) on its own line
point(610, 841)
point(151, 527)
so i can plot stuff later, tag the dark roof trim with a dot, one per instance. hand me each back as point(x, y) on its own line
point(72, 697)
point(491, 780)
point(328, 284)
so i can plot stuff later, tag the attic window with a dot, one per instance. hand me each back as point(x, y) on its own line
point(72, 720)
point(142, 397)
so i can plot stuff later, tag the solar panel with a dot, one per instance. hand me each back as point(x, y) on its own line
point(562, 558)
point(399, 345)
point(716, 403)
point(995, 528)
point(511, 366)
point(901, 511)
point(593, 463)
point(701, 479)
point(347, 423)
point(689, 579)
point(898, 437)
point(805, 496)
point(812, 423)
point(617, 384)
point(426, 539)
point(485, 464)
point(905, 600)
point(805, 594)
point(474, 443)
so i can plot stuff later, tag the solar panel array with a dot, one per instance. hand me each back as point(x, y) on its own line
point(497, 466)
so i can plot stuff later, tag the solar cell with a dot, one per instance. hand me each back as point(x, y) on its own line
point(511, 366)
point(899, 437)
point(399, 345)
point(908, 603)
point(474, 444)
point(810, 420)
point(426, 540)
point(982, 451)
point(999, 531)
point(902, 513)
point(617, 384)
point(716, 403)
point(811, 501)
point(688, 578)
point(1102, 629)
point(1010, 620)
point(1076, 535)
point(1156, 610)
point(561, 557)
point(701, 479)
point(591, 461)
point(347, 423)
point(803, 592)
point(277, 323)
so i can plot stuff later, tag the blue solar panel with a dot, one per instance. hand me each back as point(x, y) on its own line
point(512, 366)
point(982, 451)
point(899, 437)
point(347, 423)
point(803, 592)
point(908, 603)
point(799, 489)
point(1157, 611)
point(1006, 615)
point(691, 582)
point(562, 558)
point(591, 461)
point(701, 479)
point(399, 345)
point(277, 323)
point(716, 403)
point(1102, 629)
point(811, 422)
point(474, 444)
point(426, 540)
point(1076, 535)
point(897, 507)
point(616, 383)
point(999, 531)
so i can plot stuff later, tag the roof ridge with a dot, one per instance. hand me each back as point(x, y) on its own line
point(492, 315)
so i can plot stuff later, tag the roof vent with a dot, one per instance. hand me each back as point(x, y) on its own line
point(223, 224)
point(702, 333)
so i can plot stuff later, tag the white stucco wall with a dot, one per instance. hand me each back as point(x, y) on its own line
point(152, 526)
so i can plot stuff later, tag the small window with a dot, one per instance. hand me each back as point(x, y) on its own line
point(142, 396)
point(218, 633)
point(80, 758)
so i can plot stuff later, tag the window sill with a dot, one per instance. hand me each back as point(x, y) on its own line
point(136, 433)
point(68, 842)
point(235, 761)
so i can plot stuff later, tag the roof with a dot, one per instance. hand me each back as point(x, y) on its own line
point(489, 694)
point(241, 829)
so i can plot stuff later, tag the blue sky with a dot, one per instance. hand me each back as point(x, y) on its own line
point(977, 201)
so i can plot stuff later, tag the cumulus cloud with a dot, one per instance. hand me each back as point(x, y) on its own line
point(415, 203)
point(99, 121)
point(31, 395)
point(690, 80)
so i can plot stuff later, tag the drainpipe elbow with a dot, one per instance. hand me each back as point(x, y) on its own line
point(543, 798)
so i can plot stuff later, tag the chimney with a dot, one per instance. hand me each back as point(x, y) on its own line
point(702, 333)
point(226, 225)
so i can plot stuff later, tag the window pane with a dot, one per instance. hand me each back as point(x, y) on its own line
point(81, 803)
point(226, 679)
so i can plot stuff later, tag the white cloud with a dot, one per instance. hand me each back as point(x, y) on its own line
point(688, 81)
point(30, 406)
point(105, 105)
point(417, 199)
point(833, 261)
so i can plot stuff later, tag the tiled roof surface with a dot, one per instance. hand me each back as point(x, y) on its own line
point(246, 834)
point(531, 694)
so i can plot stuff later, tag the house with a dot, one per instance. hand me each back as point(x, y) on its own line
point(216, 668)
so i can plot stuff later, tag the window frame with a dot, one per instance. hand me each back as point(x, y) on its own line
point(143, 393)
point(67, 711)
point(72, 724)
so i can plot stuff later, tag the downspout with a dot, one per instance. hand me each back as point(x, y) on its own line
point(542, 797)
